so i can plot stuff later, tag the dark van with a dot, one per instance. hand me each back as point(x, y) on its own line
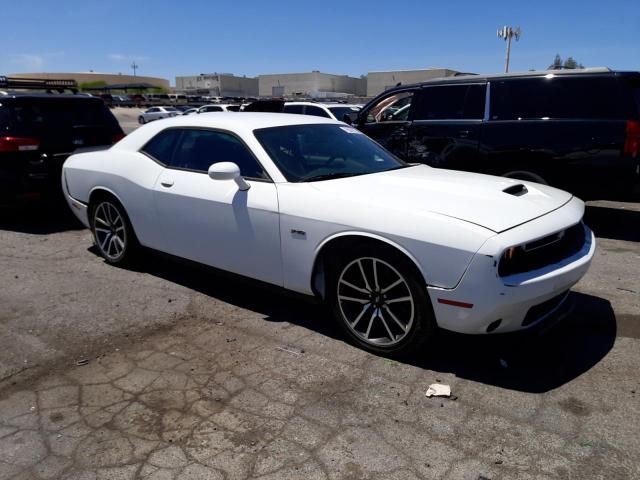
point(578, 130)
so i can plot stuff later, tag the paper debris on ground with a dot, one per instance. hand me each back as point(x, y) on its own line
point(438, 390)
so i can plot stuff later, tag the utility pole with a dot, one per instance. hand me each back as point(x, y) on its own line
point(135, 66)
point(507, 33)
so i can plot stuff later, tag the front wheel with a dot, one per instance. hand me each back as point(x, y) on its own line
point(141, 120)
point(112, 232)
point(381, 303)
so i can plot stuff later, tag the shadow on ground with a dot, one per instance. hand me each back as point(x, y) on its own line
point(614, 223)
point(40, 217)
point(524, 362)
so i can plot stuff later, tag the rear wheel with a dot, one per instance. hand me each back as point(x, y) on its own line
point(380, 302)
point(112, 232)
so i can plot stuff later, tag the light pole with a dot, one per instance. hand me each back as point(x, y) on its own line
point(507, 33)
point(134, 66)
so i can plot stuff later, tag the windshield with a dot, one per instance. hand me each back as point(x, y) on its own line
point(339, 112)
point(323, 151)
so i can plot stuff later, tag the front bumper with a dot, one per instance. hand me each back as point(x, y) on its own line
point(484, 302)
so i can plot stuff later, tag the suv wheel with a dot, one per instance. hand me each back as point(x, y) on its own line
point(112, 232)
point(379, 303)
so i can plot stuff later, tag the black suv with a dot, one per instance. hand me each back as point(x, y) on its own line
point(578, 130)
point(39, 130)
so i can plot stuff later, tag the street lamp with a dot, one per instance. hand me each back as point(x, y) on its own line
point(507, 33)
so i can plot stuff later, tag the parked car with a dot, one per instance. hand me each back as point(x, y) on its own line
point(177, 98)
point(156, 113)
point(219, 107)
point(38, 131)
point(578, 130)
point(336, 111)
point(190, 111)
point(123, 101)
point(313, 205)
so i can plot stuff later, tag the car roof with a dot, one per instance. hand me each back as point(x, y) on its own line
point(321, 104)
point(471, 78)
point(221, 105)
point(242, 123)
point(246, 121)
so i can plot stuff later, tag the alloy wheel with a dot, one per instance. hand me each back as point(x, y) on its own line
point(110, 230)
point(375, 301)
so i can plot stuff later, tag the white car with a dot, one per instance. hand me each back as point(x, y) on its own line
point(219, 107)
point(313, 205)
point(336, 111)
point(156, 113)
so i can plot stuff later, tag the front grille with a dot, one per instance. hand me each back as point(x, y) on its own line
point(542, 252)
point(538, 311)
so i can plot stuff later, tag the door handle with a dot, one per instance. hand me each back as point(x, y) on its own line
point(166, 183)
point(464, 133)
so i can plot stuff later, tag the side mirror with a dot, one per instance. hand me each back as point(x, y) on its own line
point(350, 118)
point(228, 171)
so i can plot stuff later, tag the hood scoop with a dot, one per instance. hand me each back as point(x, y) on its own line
point(516, 190)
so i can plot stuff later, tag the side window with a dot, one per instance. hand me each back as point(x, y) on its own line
point(316, 111)
point(555, 97)
point(162, 146)
point(199, 149)
point(450, 102)
point(394, 108)
point(293, 109)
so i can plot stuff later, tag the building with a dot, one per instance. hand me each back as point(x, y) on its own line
point(378, 82)
point(218, 84)
point(96, 79)
point(313, 84)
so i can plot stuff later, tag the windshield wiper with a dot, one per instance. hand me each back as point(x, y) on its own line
point(327, 176)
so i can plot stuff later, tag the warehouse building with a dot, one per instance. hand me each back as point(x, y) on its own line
point(378, 82)
point(96, 79)
point(218, 84)
point(313, 84)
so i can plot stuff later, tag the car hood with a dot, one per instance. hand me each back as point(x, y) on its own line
point(474, 198)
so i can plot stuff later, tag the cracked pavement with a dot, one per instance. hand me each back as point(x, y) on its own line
point(193, 374)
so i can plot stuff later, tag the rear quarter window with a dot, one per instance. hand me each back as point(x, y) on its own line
point(630, 93)
point(557, 97)
point(162, 147)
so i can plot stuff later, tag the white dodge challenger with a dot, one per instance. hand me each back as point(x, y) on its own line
point(313, 205)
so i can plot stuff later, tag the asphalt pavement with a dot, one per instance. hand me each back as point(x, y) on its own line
point(170, 370)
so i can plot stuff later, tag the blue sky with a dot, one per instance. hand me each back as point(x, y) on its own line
point(346, 37)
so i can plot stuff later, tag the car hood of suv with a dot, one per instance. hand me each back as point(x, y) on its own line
point(495, 203)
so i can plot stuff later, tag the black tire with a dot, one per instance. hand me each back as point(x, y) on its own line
point(386, 336)
point(113, 234)
point(141, 120)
